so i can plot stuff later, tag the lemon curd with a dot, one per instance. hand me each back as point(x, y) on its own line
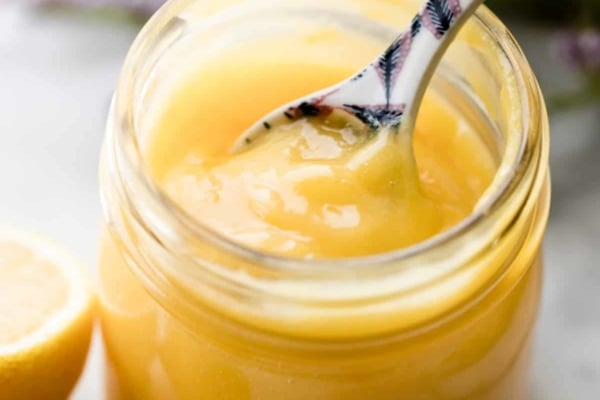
point(323, 262)
point(313, 188)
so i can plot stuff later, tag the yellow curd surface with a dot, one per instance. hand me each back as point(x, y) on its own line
point(311, 190)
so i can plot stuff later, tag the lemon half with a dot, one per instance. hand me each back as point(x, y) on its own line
point(46, 317)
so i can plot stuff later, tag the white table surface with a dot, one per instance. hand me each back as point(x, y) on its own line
point(57, 72)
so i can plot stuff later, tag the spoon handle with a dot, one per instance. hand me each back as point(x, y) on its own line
point(389, 90)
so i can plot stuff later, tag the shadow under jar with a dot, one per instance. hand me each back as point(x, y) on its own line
point(187, 314)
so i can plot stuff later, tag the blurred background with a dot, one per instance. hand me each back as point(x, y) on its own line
point(59, 61)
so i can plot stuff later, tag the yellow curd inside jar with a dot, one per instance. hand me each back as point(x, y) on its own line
point(300, 268)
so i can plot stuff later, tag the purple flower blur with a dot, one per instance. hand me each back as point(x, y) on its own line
point(581, 49)
point(144, 8)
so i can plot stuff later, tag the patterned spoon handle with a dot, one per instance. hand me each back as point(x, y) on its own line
point(388, 92)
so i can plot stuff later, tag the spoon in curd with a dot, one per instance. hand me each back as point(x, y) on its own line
point(387, 93)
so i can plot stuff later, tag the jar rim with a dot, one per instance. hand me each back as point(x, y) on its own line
point(510, 50)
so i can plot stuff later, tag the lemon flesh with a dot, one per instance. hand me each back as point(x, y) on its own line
point(46, 318)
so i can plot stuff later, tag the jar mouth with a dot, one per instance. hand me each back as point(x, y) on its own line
point(514, 168)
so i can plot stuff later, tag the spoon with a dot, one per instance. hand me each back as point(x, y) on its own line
point(388, 92)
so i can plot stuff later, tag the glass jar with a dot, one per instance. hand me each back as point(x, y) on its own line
point(187, 314)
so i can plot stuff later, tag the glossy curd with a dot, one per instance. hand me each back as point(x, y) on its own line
point(316, 188)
